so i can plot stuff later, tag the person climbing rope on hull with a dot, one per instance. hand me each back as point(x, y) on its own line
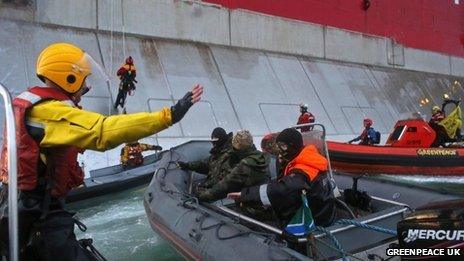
point(126, 74)
point(50, 131)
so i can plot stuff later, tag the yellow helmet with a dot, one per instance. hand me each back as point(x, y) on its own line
point(435, 109)
point(64, 64)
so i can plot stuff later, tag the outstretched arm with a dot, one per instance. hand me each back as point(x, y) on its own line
point(67, 125)
point(183, 105)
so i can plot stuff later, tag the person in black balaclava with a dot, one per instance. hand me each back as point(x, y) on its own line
point(218, 164)
point(219, 137)
point(303, 168)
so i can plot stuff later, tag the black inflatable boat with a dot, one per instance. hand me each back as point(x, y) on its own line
point(114, 178)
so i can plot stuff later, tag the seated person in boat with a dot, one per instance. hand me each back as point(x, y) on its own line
point(250, 170)
point(447, 128)
point(368, 136)
point(218, 164)
point(303, 169)
point(131, 153)
point(437, 116)
point(268, 144)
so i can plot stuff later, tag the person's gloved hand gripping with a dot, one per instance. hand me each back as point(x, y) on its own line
point(179, 110)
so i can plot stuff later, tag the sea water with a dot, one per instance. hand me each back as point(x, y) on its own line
point(119, 227)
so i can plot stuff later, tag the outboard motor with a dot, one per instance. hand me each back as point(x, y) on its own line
point(435, 225)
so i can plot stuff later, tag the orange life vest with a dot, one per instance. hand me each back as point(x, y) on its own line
point(309, 161)
point(65, 172)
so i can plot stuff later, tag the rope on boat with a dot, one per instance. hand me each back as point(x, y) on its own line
point(366, 226)
point(337, 244)
point(338, 250)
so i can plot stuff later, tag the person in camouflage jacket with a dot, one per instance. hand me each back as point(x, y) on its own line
point(218, 164)
point(250, 170)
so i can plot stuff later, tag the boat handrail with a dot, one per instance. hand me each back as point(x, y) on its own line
point(12, 174)
point(326, 152)
point(391, 202)
point(277, 231)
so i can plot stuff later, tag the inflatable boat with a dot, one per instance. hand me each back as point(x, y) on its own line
point(407, 151)
point(113, 179)
point(219, 231)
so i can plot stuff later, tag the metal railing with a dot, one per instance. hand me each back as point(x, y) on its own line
point(326, 153)
point(333, 231)
point(12, 174)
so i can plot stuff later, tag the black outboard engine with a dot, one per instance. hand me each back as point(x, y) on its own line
point(435, 225)
point(356, 198)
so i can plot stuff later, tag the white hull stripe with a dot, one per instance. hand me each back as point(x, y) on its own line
point(263, 195)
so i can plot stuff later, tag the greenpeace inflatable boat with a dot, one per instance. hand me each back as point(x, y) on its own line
point(407, 151)
point(413, 148)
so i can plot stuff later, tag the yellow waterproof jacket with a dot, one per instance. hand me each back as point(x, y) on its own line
point(65, 125)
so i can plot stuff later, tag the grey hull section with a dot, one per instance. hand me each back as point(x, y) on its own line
point(244, 89)
point(113, 179)
point(201, 230)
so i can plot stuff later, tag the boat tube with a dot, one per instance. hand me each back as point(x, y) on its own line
point(114, 179)
point(373, 160)
point(407, 151)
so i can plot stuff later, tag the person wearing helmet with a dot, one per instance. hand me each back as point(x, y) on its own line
point(305, 117)
point(50, 131)
point(437, 115)
point(368, 136)
point(441, 137)
point(131, 154)
point(218, 164)
point(126, 74)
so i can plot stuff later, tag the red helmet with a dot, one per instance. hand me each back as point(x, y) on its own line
point(129, 60)
point(368, 122)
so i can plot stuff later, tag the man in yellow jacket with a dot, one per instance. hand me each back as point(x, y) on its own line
point(51, 131)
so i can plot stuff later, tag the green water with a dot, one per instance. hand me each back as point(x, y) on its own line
point(119, 227)
point(452, 185)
